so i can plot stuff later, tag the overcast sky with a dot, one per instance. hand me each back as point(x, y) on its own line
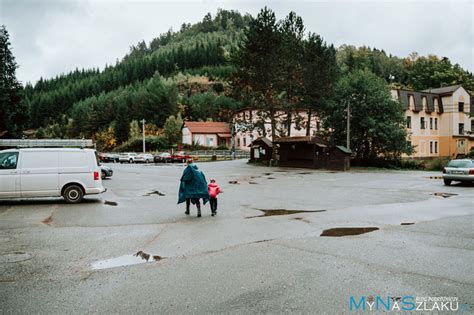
point(50, 37)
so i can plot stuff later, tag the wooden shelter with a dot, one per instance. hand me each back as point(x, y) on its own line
point(261, 150)
point(311, 152)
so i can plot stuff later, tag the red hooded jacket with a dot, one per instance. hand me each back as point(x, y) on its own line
point(213, 190)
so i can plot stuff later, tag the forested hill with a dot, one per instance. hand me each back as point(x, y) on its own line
point(143, 83)
point(188, 72)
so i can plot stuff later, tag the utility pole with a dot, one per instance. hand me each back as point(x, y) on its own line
point(348, 124)
point(143, 130)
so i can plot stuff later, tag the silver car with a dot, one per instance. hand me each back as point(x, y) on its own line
point(459, 170)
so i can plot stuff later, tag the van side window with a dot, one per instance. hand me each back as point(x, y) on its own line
point(8, 160)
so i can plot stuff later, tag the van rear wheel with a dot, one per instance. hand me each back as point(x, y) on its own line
point(73, 194)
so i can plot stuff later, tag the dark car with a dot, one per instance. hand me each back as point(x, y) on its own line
point(164, 157)
point(106, 171)
point(108, 157)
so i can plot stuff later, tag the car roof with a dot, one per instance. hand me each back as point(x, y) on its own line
point(46, 149)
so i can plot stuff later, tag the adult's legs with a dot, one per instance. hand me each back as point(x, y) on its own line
point(188, 202)
point(198, 206)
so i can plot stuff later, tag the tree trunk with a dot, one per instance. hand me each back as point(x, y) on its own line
point(308, 124)
point(288, 123)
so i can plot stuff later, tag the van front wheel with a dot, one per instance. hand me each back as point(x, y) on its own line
point(73, 194)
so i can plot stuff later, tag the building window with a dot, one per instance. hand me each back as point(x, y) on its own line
point(436, 123)
point(408, 122)
point(422, 122)
point(472, 125)
point(318, 125)
point(436, 147)
point(238, 142)
point(461, 106)
point(431, 147)
point(431, 123)
point(245, 141)
point(461, 129)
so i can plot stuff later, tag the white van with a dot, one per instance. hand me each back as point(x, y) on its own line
point(44, 172)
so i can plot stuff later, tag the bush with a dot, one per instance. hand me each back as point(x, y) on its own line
point(436, 164)
point(153, 143)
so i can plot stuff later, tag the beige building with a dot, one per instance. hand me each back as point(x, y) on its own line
point(251, 124)
point(438, 121)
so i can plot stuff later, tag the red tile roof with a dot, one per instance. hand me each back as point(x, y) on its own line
point(207, 127)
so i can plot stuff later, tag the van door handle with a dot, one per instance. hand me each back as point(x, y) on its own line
point(13, 172)
point(26, 172)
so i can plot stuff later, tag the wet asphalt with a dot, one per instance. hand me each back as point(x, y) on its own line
point(262, 253)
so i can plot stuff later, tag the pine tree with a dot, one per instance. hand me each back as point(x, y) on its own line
point(13, 112)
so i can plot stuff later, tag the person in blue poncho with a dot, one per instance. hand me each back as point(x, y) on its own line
point(193, 187)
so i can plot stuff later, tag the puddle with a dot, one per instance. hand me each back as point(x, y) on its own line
point(110, 203)
point(127, 260)
point(233, 182)
point(154, 192)
point(305, 173)
point(253, 183)
point(301, 219)
point(270, 177)
point(337, 232)
point(273, 212)
point(435, 177)
point(444, 195)
point(407, 223)
point(14, 257)
point(267, 174)
point(48, 220)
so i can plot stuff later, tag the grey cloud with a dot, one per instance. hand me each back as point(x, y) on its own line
point(52, 37)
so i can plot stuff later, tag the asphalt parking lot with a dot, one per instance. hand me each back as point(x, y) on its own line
point(59, 258)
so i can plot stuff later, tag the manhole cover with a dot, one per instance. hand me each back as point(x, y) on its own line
point(14, 257)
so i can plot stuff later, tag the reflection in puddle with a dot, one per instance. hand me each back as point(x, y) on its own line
point(336, 232)
point(253, 183)
point(270, 177)
point(267, 174)
point(127, 260)
point(110, 203)
point(407, 223)
point(444, 195)
point(435, 177)
point(233, 182)
point(272, 212)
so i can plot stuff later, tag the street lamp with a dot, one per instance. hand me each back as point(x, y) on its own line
point(143, 131)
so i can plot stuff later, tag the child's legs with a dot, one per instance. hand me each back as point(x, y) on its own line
point(213, 202)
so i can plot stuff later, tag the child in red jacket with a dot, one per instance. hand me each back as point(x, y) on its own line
point(213, 190)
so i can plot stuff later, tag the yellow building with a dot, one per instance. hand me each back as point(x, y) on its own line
point(439, 122)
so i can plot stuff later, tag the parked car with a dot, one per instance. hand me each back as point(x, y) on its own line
point(144, 158)
point(47, 172)
point(459, 170)
point(109, 157)
point(127, 157)
point(164, 157)
point(180, 156)
point(106, 171)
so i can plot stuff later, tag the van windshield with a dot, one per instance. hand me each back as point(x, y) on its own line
point(8, 160)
